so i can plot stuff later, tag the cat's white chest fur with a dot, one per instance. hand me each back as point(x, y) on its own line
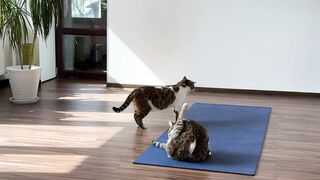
point(180, 98)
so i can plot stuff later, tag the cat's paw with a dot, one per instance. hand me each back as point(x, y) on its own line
point(140, 124)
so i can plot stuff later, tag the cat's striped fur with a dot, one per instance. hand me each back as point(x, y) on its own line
point(187, 141)
point(146, 99)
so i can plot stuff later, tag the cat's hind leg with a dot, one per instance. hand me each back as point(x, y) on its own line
point(159, 144)
point(140, 113)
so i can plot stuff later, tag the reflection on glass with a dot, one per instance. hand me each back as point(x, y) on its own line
point(85, 14)
point(86, 8)
point(84, 53)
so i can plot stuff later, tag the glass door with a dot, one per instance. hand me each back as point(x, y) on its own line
point(81, 39)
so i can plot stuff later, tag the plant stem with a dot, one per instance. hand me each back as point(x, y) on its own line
point(33, 45)
point(20, 56)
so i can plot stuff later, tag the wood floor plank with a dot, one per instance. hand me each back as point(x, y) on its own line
point(72, 133)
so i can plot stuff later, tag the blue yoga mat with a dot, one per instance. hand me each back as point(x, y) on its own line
point(236, 138)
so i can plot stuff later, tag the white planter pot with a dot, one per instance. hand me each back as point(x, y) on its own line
point(24, 83)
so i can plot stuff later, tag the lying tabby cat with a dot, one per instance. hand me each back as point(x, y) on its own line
point(187, 140)
point(150, 98)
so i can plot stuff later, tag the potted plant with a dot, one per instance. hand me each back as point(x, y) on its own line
point(16, 18)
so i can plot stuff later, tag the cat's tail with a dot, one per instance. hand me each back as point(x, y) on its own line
point(125, 104)
point(159, 144)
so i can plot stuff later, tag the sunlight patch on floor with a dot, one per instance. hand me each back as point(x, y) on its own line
point(56, 136)
point(96, 116)
point(95, 97)
point(2, 140)
point(40, 163)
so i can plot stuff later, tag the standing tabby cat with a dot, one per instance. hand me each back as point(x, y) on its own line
point(187, 140)
point(150, 98)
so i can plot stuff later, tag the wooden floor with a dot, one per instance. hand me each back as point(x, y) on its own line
point(72, 133)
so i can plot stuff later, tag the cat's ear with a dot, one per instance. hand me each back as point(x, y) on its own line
point(171, 123)
point(184, 78)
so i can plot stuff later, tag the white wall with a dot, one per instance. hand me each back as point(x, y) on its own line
point(241, 44)
point(2, 61)
point(5, 57)
point(47, 56)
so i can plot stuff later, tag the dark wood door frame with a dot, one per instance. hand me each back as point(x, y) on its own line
point(60, 31)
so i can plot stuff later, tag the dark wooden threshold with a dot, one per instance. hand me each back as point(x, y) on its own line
point(223, 90)
point(82, 75)
point(259, 92)
point(4, 82)
point(117, 85)
point(49, 80)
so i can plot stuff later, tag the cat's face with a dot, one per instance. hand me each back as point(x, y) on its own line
point(186, 83)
